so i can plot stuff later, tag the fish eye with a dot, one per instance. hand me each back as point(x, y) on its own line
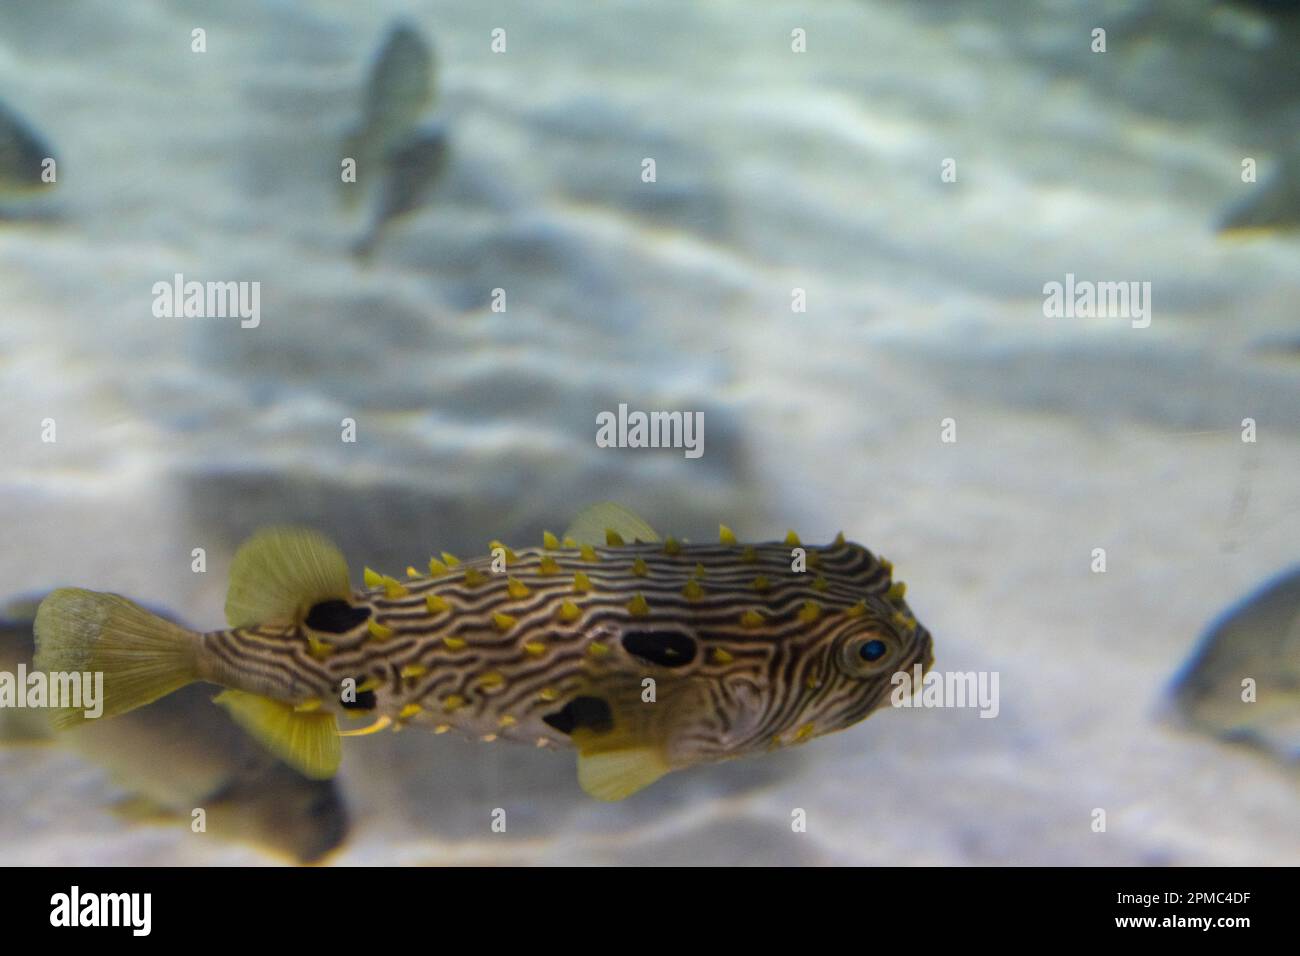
point(868, 655)
point(872, 650)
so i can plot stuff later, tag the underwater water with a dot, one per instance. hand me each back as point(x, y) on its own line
point(864, 335)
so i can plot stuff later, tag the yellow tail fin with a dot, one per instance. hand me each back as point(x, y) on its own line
point(141, 656)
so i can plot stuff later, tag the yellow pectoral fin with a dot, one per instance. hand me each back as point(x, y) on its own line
point(617, 774)
point(307, 741)
point(592, 525)
point(279, 573)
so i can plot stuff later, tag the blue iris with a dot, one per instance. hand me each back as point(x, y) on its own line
point(872, 651)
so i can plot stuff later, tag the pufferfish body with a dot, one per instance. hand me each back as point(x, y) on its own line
point(646, 655)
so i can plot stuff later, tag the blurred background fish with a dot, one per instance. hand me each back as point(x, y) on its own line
point(411, 169)
point(24, 173)
point(1282, 8)
point(398, 161)
point(1270, 31)
point(17, 643)
point(1274, 205)
point(181, 753)
point(1257, 640)
point(23, 154)
point(398, 90)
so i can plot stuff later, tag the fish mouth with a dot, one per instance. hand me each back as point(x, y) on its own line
point(926, 658)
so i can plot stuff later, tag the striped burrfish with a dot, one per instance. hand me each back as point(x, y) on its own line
point(646, 655)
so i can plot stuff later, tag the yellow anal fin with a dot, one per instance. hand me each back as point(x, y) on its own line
point(307, 741)
point(591, 525)
point(617, 774)
point(280, 573)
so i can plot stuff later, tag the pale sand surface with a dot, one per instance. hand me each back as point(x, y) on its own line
point(776, 171)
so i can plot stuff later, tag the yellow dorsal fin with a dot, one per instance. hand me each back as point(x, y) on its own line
point(615, 774)
point(279, 573)
point(307, 741)
point(591, 525)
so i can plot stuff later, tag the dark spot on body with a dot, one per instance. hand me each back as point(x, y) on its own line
point(365, 700)
point(336, 617)
point(582, 713)
point(665, 648)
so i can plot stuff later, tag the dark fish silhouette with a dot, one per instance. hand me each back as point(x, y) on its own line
point(410, 171)
point(399, 89)
point(1258, 640)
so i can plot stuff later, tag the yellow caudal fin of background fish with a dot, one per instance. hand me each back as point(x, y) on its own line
point(306, 741)
point(279, 573)
point(617, 774)
point(142, 656)
point(593, 524)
